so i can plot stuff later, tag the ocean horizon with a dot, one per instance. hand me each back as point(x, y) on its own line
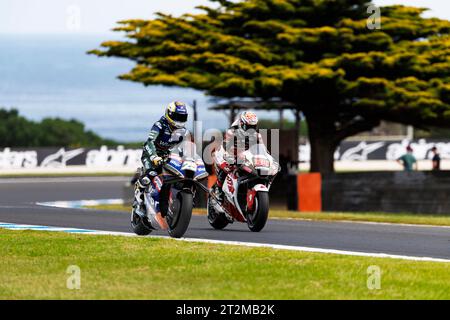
point(52, 76)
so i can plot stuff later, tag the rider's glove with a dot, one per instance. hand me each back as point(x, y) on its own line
point(156, 160)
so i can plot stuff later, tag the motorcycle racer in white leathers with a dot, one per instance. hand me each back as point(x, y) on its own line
point(238, 138)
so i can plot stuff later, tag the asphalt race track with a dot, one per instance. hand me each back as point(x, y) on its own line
point(18, 199)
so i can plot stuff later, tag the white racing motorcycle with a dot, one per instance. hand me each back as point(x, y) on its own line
point(246, 191)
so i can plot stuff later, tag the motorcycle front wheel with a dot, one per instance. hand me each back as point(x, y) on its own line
point(257, 219)
point(178, 221)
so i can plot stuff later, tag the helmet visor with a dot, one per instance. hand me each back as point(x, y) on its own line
point(178, 117)
point(248, 127)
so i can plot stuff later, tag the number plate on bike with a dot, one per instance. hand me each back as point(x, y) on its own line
point(261, 162)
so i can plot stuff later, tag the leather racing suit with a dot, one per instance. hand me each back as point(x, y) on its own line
point(161, 139)
point(235, 143)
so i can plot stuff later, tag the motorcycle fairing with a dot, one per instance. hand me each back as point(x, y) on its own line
point(201, 172)
point(178, 167)
point(230, 189)
point(151, 206)
point(174, 165)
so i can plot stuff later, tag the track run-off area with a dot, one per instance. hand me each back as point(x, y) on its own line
point(21, 208)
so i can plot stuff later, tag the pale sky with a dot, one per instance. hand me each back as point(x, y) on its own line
point(99, 16)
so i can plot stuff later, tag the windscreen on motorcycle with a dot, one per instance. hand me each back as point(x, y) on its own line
point(185, 162)
point(261, 159)
point(186, 149)
point(259, 149)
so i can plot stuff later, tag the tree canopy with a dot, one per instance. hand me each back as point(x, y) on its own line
point(318, 54)
point(17, 131)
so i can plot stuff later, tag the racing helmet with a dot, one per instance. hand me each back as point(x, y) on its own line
point(248, 122)
point(177, 114)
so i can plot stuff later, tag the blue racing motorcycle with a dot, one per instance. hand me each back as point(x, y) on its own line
point(178, 183)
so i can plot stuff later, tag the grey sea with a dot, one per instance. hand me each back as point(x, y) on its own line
point(52, 76)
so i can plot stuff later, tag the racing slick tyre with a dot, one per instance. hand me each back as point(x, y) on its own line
point(257, 219)
point(217, 220)
point(179, 221)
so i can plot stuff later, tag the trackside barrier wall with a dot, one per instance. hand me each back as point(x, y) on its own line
point(414, 192)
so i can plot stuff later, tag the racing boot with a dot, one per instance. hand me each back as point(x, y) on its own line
point(138, 203)
point(218, 193)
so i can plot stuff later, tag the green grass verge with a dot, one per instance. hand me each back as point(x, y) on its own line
point(33, 265)
point(408, 218)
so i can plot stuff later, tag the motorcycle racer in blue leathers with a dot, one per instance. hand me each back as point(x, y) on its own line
point(168, 131)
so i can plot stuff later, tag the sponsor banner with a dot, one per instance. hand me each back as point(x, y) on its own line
point(103, 157)
point(383, 150)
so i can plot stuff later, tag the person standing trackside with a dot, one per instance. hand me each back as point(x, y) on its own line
point(408, 160)
point(436, 161)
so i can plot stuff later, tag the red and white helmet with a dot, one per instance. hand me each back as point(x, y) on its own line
point(248, 121)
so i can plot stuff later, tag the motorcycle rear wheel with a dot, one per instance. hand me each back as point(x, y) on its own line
point(138, 225)
point(257, 220)
point(179, 223)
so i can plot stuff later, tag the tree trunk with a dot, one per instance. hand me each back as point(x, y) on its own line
point(322, 138)
point(322, 154)
point(327, 131)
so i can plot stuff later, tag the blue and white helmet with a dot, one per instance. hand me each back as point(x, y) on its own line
point(177, 114)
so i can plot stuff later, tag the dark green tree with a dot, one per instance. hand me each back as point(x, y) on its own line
point(17, 131)
point(318, 54)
